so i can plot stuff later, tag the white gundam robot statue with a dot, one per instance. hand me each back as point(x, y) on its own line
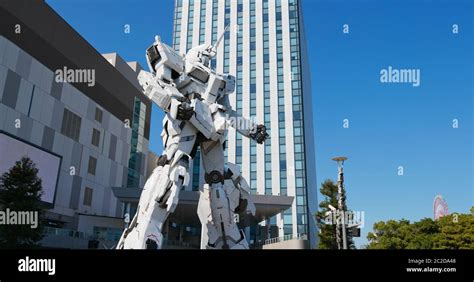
point(195, 99)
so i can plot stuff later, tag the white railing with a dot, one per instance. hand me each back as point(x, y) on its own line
point(286, 238)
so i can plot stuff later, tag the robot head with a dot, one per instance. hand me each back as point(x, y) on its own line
point(204, 53)
point(163, 61)
point(198, 54)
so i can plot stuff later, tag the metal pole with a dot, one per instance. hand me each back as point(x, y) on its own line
point(341, 204)
point(338, 229)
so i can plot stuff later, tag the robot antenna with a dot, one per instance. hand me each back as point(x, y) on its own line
point(216, 45)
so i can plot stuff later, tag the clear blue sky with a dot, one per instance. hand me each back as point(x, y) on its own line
point(391, 125)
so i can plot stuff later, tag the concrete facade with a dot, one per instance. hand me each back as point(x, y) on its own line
point(82, 124)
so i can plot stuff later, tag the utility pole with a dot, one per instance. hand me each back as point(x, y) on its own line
point(341, 196)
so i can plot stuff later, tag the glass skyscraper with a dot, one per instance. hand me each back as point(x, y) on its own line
point(265, 50)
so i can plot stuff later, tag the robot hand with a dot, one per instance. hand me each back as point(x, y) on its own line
point(185, 111)
point(260, 134)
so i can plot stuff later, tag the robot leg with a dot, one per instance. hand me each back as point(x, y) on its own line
point(158, 200)
point(220, 230)
point(239, 194)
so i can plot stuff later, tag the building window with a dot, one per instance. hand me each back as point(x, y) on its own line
point(98, 114)
point(92, 165)
point(108, 233)
point(136, 149)
point(88, 197)
point(95, 137)
point(71, 125)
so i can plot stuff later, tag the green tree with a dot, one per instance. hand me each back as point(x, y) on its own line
point(327, 235)
point(20, 191)
point(454, 231)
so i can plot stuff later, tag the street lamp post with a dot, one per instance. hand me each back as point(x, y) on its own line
point(341, 202)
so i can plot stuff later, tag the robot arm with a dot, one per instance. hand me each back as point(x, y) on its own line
point(169, 99)
point(259, 133)
point(244, 126)
point(154, 90)
point(247, 127)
